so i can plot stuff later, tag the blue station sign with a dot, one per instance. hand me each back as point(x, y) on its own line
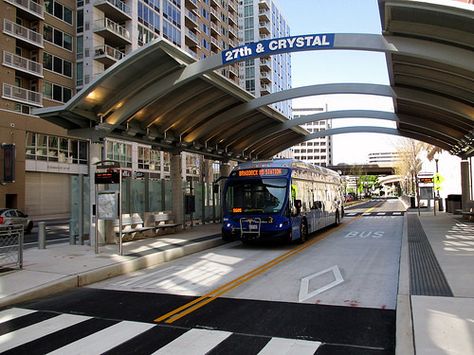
point(278, 45)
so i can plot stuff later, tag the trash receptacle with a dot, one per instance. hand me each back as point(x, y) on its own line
point(453, 203)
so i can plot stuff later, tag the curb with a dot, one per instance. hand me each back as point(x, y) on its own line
point(99, 274)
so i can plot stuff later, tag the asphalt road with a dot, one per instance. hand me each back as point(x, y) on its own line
point(335, 294)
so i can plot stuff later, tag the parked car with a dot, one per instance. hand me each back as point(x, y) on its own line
point(10, 216)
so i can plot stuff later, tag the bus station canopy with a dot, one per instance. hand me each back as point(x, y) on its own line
point(160, 95)
point(145, 99)
point(441, 93)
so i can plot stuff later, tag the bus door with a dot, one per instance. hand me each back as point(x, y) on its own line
point(317, 210)
point(296, 218)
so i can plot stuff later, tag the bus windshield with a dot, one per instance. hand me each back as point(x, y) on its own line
point(256, 195)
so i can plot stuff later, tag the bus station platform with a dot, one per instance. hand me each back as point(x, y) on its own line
point(435, 304)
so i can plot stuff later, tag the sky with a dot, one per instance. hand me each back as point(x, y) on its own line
point(337, 66)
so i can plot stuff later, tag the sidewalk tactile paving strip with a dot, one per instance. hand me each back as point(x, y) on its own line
point(426, 276)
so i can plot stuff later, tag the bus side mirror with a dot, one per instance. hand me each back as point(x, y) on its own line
point(215, 188)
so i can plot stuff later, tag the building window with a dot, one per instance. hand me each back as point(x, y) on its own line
point(58, 65)
point(148, 159)
point(58, 10)
point(56, 149)
point(56, 92)
point(121, 152)
point(57, 37)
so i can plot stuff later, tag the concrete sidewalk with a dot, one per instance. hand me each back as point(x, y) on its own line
point(61, 266)
point(428, 324)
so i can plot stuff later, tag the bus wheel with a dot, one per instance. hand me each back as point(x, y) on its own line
point(303, 232)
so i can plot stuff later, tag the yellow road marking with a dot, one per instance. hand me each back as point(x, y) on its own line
point(190, 307)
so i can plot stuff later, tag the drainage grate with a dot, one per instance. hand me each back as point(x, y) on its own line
point(426, 276)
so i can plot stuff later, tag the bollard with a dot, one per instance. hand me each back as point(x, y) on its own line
point(72, 237)
point(41, 235)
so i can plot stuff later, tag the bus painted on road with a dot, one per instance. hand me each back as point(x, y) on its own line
point(280, 199)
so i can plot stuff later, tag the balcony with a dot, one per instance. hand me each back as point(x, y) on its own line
point(191, 19)
point(191, 38)
point(265, 78)
point(232, 20)
point(214, 15)
point(265, 65)
point(233, 71)
point(232, 7)
point(29, 8)
point(114, 34)
point(263, 5)
point(24, 34)
point(264, 16)
point(18, 94)
point(191, 4)
point(25, 65)
point(215, 3)
point(215, 29)
point(264, 28)
point(215, 44)
point(107, 55)
point(114, 9)
point(232, 33)
point(265, 90)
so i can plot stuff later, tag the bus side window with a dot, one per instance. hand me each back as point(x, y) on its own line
point(317, 205)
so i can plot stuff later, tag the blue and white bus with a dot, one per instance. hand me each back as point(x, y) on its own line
point(280, 199)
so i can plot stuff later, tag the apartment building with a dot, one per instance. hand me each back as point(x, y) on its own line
point(317, 151)
point(51, 49)
point(260, 20)
point(108, 30)
point(37, 70)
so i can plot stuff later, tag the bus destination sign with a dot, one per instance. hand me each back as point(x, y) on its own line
point(262, 172)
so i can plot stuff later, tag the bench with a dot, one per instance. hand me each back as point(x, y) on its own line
point(131, 225)
point(163, 221)
point(468, 213)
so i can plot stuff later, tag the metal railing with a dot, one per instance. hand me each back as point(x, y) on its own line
point(112, 26)
point(29, 6)
point(23, 33)
point(11, 246)
point(16, 93)
point(26, 65)
point(100, 51)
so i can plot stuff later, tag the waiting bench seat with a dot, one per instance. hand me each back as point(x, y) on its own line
point(131, 225)
point(164, 220)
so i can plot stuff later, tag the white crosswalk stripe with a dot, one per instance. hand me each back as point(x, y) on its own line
point(38, 330)
point(277, 346)
point(195, 341)
point(13, 313)
point(105, 339)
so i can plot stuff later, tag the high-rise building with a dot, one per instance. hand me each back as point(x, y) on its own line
point(260, 20)
point(37, 70)
point(108, 30)
point(316, 151)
